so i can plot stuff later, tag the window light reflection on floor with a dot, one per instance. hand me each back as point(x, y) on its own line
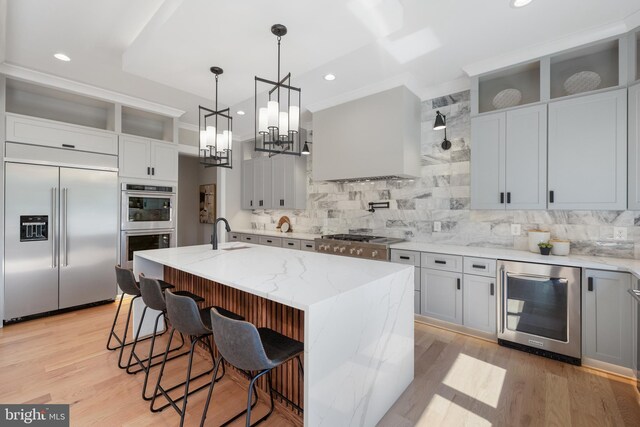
point(476, 378)
point(441, 411)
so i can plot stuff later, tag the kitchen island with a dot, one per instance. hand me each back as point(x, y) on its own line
point(355, 317)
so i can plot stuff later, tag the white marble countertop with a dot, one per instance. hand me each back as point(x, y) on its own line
point(296, 278)
point(601, 263)
point(278, 233)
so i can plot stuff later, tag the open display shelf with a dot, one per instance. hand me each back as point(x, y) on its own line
point(512, 87)
point(145, 124)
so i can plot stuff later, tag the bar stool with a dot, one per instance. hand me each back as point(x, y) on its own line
point(248, 348)
point(128, 285)
point(153, 298)
point(188, 319)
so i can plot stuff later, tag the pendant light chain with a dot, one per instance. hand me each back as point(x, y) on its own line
point(278, 68)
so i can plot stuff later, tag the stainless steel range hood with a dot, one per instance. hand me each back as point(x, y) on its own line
point(374, 137)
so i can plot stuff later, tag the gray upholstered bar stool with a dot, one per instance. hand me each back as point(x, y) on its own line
point(153, 298)
point(250, 349)
point(127, 282)
point(187, 319)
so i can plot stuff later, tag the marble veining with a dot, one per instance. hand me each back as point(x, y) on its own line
point(442, 193)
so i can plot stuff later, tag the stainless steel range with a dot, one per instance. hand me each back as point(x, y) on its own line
point(355, 245)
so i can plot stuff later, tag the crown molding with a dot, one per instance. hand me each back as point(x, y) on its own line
point(62, 83)
point(544, 49)
point(633, 21)
point(188, 126)
point(454, 86)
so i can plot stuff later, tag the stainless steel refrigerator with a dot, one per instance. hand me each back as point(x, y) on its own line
point(61, 231)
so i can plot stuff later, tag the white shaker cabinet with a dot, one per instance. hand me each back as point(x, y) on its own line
point(148, 159)
point(289, 182)
point(442, 295)
point(607, 317)
point(634, 147)
point(509, 159)
point(587, 152)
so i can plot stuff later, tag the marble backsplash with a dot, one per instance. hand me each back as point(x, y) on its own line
point(442, 194)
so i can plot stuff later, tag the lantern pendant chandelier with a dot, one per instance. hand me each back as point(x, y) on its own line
point(277, 126)
point(216, 137)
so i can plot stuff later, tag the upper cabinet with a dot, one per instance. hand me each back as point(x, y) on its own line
point(142, 158)
point(634, 146)
point(508, 159)
point(278, 182)
point(587, 152)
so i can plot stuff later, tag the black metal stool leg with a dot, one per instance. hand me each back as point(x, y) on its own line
point(250, 405)
point(164, 362)
point(206, 405)
point(135, 341)
point(113, 326)
point(124, 335)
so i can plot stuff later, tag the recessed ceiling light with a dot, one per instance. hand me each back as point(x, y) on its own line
point(62, 57)
point(329, 77)
point(240, 113)
point(519, 3)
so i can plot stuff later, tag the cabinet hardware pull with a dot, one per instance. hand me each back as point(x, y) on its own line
point(590, 284)
point(153, 171)
point(551, 196)
point(501, 197)
point(281, 202)
point(479, 266)
point(260, 203)
point(508, 197)
point(491, 289)
point(290, 243)
point(68, 146)
point(309, 246)
point(269, 241)
point(404, 257)
point(458, 283)
point(148, 170)
point(251, 203)
point(438, 261)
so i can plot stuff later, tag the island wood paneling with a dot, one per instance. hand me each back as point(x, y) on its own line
point(261, 312)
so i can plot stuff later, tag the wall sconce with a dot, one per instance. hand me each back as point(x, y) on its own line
point(305, 149)
point(441, 123)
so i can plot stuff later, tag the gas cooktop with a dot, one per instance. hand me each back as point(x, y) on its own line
point(356, 245)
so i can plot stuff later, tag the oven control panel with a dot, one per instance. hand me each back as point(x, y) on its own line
point(353, 249)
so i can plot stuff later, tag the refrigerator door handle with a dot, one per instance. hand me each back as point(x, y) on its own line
point(65, 196)
point(52, 233)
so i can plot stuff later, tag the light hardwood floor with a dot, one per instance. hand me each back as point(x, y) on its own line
point(459, 381)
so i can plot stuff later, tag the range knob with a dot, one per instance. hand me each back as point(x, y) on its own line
point(342, 249)
point(321, 247)
point(374, 254)
point(352, 251)
point(359, 252)
point(336, 249)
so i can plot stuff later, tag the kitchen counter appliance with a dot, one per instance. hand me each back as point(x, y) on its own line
point(61, 232)
point(539, 309)
point(356, 245)
point(146, 207)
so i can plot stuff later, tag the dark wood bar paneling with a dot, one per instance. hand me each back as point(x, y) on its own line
point(261, 312)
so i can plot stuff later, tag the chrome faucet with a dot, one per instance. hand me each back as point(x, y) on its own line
point(214, 236)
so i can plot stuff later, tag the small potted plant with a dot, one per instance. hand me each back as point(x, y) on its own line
point(545, 248)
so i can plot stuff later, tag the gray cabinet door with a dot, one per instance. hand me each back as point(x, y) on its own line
point(134, 158)
point(634, 147)
point(247, 184)
point(88, 235)
point(606, 317)
point(488, 150)
point(164, 161)
point(262, 190)
point(442, 295)
point(280, 179)
point(587, 152)
point(479, 302)
point(526, 158)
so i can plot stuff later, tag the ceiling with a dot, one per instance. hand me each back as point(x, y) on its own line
point(161, 50)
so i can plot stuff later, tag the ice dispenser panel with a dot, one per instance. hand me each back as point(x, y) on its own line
point(34, 228)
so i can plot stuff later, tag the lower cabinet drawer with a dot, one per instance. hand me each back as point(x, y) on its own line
point(249, 238)
point(270, 241)
point(234, 237)
point(442, 262)
point(308, 245)
point(480, 266)
point(291, 243)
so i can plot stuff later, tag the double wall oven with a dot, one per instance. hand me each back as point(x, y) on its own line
point(539, 309)
point(147, 219)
